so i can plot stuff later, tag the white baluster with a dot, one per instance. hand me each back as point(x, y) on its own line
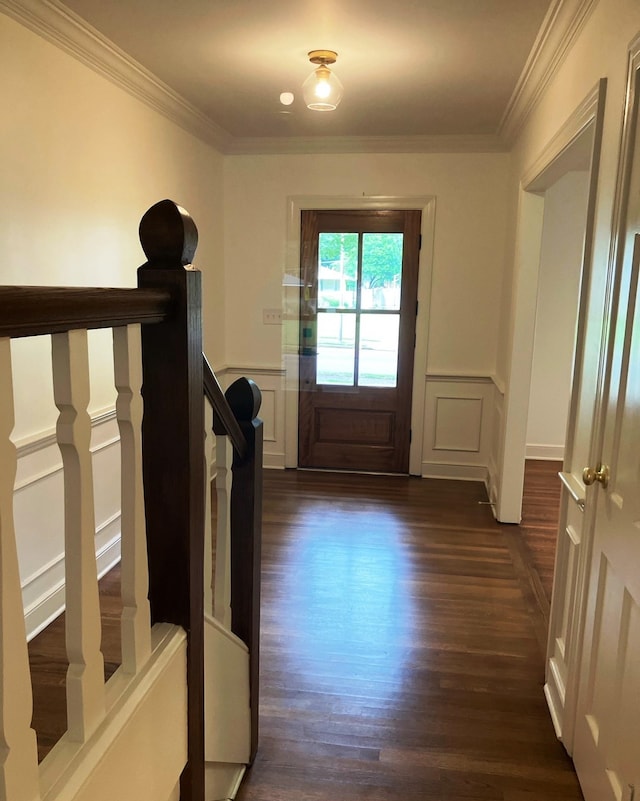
point(18, 747)
point(85, 676)
point(135, 622)
point(222, 579)
point(209, 468)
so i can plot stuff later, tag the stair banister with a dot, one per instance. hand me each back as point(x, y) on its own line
point(236, 416)
point(167, 304)
point(172, 434)
point(246, 535)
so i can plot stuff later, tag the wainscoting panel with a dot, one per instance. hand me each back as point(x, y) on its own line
point(458, 423)
point(271, 382)
point(39, 516)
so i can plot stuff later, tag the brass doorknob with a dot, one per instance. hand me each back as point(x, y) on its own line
point(601, 474)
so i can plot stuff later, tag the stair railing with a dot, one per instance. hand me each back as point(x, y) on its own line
point(163, 491)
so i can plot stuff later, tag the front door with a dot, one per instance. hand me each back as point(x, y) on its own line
point(358, 309)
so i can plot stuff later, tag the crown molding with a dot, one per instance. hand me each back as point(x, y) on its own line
point(56, 23)
point(59, 25)
point(489, 143)
point(561, 26)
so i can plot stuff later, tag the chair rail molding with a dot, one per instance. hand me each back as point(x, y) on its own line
point(271, 380)
point(36, 503)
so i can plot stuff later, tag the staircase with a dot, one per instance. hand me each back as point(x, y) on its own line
point(178, 718)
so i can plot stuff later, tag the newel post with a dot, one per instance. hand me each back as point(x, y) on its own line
point(246, 535)
point(173, 455)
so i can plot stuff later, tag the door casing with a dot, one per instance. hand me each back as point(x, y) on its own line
point(291, 327)
point(527, 257)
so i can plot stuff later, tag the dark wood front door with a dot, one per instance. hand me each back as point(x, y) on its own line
point(358, 308)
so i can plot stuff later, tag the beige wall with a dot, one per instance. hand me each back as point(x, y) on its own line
point(601, 51)
point(81, 162)
point(565, 212)
point(470, 227)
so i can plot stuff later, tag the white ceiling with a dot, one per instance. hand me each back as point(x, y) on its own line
point(409, 67)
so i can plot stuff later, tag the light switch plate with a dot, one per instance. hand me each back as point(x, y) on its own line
point(272, 316)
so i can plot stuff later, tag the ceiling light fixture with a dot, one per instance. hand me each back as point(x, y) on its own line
point(322, 91)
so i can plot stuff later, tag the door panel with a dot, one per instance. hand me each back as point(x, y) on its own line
point(358, 308)
point(607, 745)
point(574, 541)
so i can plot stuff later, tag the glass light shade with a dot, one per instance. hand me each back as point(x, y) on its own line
point(322, 91)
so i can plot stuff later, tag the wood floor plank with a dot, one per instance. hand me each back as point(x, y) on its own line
point(401, 657)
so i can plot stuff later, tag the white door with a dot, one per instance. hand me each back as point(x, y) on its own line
point(607, 728)
point(565, 624)
point(607, 736)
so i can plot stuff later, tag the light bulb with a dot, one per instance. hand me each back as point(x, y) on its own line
point(322, 91)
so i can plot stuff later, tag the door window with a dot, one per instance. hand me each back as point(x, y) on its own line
point(358, 313)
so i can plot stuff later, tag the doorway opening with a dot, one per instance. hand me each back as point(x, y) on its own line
point(547, 399)
point(358, 307)
point(291, 332)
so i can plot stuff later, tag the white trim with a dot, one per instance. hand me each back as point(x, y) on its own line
point(48, 440)
point(149, 707)
point(42, 439)
point(302, 145)
point(229, 635)
point(456, 472)
point(455, 377)
point(273, 461)
point(290, 347)
point(222, 779)
point(553, 711)
point(273, 453)
point(562, 25)
point(548, 452)
point(467, 378)
point(61, 26)
point(56, 23)
point(524, 298)
point(245, 369)
point(49, 604)
point(535, 178)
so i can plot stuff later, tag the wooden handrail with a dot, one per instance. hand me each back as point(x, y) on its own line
point(224, 417)
point(176, 379)
point(27, 311)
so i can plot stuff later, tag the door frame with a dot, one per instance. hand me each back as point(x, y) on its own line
point(527, 264)
point(291, 316)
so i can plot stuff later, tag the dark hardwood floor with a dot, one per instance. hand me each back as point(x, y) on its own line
point(401, 652)
point(540, 507)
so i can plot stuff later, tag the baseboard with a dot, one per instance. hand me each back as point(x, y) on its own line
point(492, 483)
point(139, 747)
point(553, 711)
point(46, 587)
point(222, 780)
point(457, 472)
point(273, 461)
point(545, 452)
